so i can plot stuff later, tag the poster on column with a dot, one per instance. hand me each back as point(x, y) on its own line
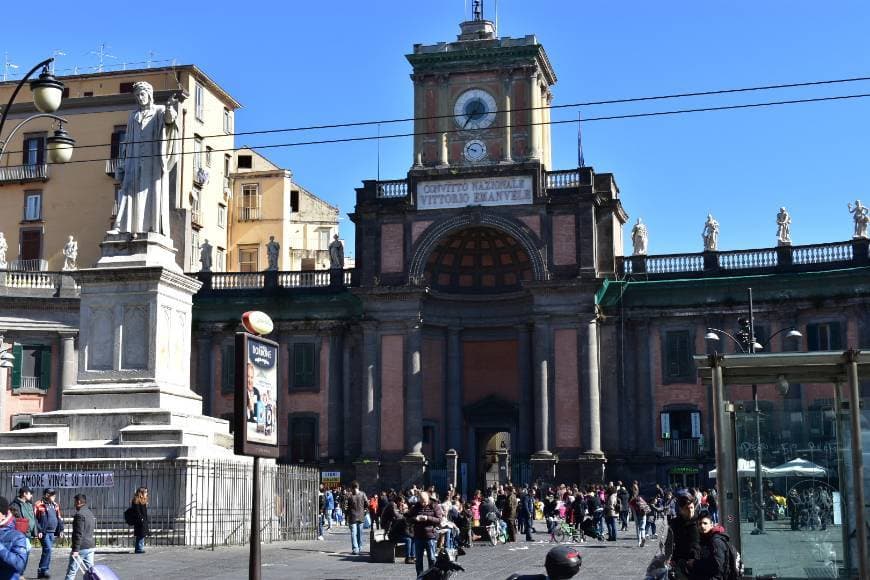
point(256, 413)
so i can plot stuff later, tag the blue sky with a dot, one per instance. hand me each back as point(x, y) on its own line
point(302, 63)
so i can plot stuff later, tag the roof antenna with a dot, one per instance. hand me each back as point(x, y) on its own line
point(102, 54)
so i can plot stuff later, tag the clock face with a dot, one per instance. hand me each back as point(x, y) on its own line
point(474, 150)
point(474, 109)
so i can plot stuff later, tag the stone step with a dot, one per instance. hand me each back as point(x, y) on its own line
point(42, 437)
point(161, 435)
point(88, 425)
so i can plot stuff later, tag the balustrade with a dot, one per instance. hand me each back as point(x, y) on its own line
point(32, 279)
point(563, 179)
point(822, 253)
point(747, 259)
point(394, 188)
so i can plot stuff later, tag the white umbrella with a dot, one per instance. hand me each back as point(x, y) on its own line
point(798, 468)
point(746, 468)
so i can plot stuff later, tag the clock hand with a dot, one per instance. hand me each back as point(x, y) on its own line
point(467, 121)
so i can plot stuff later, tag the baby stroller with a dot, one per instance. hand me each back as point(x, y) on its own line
point(589, 529)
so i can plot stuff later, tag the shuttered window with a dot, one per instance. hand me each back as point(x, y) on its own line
point(304, 374)
point(677, 356)
point(32, 367)
point(825, 336)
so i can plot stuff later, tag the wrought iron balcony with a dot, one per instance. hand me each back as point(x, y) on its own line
point(111, 167)
point(23, 173)
point(681, 447)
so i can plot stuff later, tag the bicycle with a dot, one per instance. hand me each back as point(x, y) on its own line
point(496, 532)
point(567, 533)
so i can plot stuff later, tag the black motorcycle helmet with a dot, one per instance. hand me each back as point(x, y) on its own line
point(562, 562)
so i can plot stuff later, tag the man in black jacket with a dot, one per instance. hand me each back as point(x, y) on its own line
point(684, 540)
point(82, 537)
point(426, 515)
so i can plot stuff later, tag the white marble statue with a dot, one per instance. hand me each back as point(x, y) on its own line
point(3, 247)
point(272, 251)
point(70, 254)
point(783, 227)
point(711, 234)
point(639, 237)
point(205, 256)
point(336, 254)
point(861, 217)
point(146, 158)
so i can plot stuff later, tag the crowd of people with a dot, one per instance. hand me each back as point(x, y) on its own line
point(24, 523)
point(419, 518)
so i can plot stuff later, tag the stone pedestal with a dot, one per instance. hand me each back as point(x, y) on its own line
point(544, 467)
point(143, 251)
point(134, 341)
point(452, 460)
point(368, 475)
point(590, 466)
point(411, 468)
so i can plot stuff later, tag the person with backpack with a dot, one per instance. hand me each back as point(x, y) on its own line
point(639, 509)
point(718, 559)
point(13, 545)
point(49, 526)
point(25, 507)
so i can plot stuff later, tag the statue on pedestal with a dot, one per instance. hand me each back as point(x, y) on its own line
point(205, 256)
point(3, 247)
point(783, 228)
point(70, 254)
point(639, 237)
point(272, 252)
point(336, 254)
point(146, 158)
point(710, 234)
point(861, 217)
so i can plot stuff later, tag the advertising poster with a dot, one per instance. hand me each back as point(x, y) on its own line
point(257, 396)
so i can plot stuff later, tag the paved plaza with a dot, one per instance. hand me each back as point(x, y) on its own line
point(331, 559)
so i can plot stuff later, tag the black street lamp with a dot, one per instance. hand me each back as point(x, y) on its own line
point(47, 95)
point(747, 343)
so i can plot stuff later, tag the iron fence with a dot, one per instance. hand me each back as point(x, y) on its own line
point(203, 503)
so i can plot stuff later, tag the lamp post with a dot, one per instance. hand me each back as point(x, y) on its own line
point(746, 341)
point(47, 95)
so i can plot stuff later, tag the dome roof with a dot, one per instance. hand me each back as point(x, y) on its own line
point(478, 260)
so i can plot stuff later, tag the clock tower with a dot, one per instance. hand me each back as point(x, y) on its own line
point(482, 100)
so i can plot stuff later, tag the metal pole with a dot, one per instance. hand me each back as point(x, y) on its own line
point(5, 113)
point(725, 462)
point(254, 570)
point(759, 482)
point(857, 461)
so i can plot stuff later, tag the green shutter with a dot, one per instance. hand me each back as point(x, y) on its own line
point(303, 365)
point(45, 368)
point(836, 335)
point(16, 366)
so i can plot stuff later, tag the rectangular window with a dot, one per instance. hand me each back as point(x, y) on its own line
point(30, 246)
point(304, 367)
point(119, 133)
point(221, 260)
point(825, 336)
point(303, 446)
point(194, 250)
point(34, 150)
point(125, 88)
point(32, 206)
point(222, 216)
point(249, 202)
point(245, 162)
point(323, 239)
point(198, 98)
point(248, 259)
point(197, 153)
point(294, 200)
point(228, 369)
point(227, 161)
point(228, 121)
point(31, 367)
point(208, 151)
point(678, 356)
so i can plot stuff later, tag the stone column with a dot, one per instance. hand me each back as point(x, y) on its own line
point(69, 360)
point(525, 373)
point(335, 397)
point(369, 421)
point(535, 116)
point(542, 387)
point(346, 359)
point(454, 388)
point(591, 388)
point(205, 369)
point(414, 392)
point(507, 156)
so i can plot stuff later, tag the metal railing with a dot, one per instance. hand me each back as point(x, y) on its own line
point(34, 265)
point(394, 188)
point(681, 447)
point(247, 214)
point(31, 382)
point(23, 173)
point(203, 503)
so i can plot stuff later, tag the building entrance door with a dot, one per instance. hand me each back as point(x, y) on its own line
point(494, 448)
